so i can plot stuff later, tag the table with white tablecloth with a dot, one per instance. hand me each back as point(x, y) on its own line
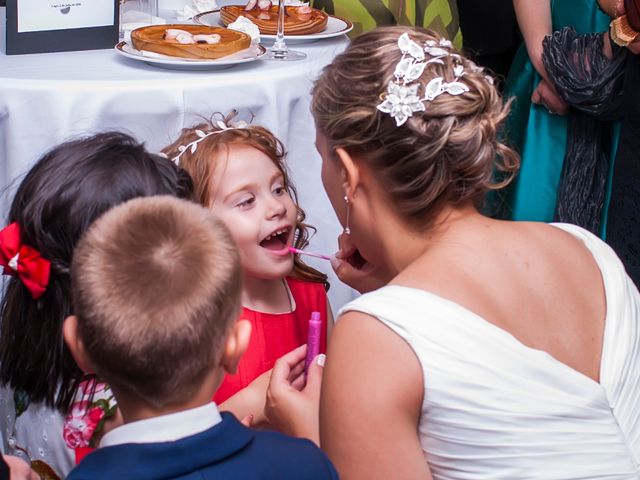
point(48, 98)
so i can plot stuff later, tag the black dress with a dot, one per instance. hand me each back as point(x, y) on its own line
point(623, 227)
point(490, 32)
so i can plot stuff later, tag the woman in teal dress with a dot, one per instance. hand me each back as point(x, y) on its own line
point(539, 130)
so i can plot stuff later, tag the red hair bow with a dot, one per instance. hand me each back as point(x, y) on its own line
point(24, 261)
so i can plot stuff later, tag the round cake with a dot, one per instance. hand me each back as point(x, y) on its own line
point(155, 38)
point(295, 22)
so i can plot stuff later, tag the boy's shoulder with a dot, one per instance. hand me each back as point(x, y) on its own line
point(296, 458)
point(227, 450)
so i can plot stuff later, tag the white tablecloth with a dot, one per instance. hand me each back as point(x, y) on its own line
point(48, 98)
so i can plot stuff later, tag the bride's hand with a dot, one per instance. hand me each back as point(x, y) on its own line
point(354, 270)
point(292, 406)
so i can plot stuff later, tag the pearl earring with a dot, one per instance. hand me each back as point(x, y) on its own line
point(347, 230)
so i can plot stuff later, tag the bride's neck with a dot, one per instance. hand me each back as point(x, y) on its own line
point(408, 243)
point(266, 295)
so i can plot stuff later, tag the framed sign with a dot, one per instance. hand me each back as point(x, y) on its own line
point(37, 26)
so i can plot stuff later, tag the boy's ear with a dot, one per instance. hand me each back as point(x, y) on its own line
point(75, 344)
point(350, 171)
point(235, 345)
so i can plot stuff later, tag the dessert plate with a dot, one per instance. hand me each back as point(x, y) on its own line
point(176, 63)
point(335, 26)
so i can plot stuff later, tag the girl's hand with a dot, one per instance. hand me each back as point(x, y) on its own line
point(256, 392)
point(248, 404)
point(353, 270)
point(292, 407)
point(19, 469)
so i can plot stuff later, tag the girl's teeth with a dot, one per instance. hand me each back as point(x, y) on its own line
point(269, 237)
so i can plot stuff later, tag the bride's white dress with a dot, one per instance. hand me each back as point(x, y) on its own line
point(496, 409)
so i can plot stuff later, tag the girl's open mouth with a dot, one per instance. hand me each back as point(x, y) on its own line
point(277, 241)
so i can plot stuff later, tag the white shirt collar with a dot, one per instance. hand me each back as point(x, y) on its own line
point(166, 428)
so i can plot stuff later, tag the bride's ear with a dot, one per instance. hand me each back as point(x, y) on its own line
point(350, 172)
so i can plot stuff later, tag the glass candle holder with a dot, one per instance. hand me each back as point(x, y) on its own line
point(136, 13)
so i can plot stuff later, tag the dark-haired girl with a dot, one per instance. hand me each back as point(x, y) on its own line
point(64, 192)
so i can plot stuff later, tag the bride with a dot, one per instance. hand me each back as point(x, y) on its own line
point(484, 348)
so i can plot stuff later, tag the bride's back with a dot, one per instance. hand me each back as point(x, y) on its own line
point(536, 282)
point(519, 381)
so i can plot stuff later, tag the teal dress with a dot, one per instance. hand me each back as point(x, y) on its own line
point(539, 136)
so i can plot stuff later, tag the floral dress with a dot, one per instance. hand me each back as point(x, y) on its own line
point(44, 437)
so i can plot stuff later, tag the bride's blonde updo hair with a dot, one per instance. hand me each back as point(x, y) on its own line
point(448, 153)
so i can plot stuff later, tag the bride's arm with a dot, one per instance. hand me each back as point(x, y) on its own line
point(370, 404)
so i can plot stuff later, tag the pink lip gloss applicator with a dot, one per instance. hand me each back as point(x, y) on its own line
point(289, 250)
point(311, 254)
point(313, 339)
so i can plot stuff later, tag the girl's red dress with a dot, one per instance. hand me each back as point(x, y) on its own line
point(274, 334)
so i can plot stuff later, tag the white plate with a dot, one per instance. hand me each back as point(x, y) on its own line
point(335, 26)
point(177, 63)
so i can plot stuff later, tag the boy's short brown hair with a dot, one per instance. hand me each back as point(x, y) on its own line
point(156, 285)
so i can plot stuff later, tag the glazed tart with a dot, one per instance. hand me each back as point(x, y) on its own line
point(297, 21)
point(189, 41)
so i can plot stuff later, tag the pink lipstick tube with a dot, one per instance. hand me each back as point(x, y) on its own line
point(313, 339)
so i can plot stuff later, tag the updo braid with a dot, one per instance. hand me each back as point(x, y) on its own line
point(447, 154)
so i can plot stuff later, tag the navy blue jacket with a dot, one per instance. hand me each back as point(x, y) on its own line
point(228, 450)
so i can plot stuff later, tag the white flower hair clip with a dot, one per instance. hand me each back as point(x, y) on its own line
point(402, 99)
point(193, 146)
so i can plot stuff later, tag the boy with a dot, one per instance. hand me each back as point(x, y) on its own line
point(156, 292)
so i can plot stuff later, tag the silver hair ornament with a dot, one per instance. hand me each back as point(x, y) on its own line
point(193, 146)
point(402, 98)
